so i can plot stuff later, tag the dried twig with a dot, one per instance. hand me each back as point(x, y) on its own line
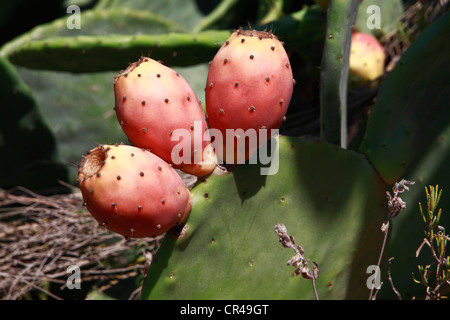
point(298, 261)
point(40, 236)
point(395, 206)
point(399, 296)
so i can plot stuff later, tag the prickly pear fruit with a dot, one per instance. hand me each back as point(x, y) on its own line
point(367, 59)
point(132, 191)
point(152, 102)
point(249, 87)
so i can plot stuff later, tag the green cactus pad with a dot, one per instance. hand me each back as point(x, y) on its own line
point(53, 47)
point(231, 251)
point(411, 109)
point(109, 39)
point(90, 53)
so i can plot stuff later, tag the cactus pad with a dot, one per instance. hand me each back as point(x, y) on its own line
point(230, 249)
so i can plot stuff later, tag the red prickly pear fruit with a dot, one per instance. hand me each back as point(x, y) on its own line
point(367, 59)
point(249, 88)
point(132, 191)
point(152, 101)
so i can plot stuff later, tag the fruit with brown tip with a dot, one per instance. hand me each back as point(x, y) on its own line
point(132, 192)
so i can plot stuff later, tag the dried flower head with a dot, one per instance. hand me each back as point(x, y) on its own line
point(298, 261)
point(395, 203)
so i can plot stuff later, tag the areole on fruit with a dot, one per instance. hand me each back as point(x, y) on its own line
point(132, 192)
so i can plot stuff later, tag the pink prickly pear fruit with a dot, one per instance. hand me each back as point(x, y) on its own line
point(132, 192)
point(367, 59)
point(249, 88)
point(152, 102)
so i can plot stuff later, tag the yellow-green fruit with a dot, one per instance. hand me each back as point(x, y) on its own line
point(367, 59)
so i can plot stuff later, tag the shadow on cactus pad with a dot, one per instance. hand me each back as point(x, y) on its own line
point(330, 200)
point(27, 145)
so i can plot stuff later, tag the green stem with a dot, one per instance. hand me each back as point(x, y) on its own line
point(341, 17)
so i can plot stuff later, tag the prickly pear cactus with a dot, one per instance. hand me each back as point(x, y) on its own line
point(331, 200)
point(230, 249)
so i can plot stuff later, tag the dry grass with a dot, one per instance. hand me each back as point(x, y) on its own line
point(41, 236)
